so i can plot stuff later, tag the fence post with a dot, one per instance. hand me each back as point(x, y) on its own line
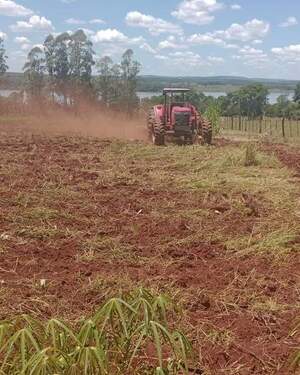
point(260, 125)
point(283, 127)
point(232, 123)
point(240, 123)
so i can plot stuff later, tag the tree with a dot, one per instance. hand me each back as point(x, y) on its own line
point(61, 66)
point(105, 79)
point(3, 58)
point(250, 100)
point(81, 63)
point(116, 86)
point(129, 72)
point(34, 72)
point(49, 48)
point(297, 94)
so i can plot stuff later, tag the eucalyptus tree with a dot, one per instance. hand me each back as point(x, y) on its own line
point(49, 48)
point(130, 69)
point(34, 73)
point(81, 62)
point(105, 79)
point(3, 58)
point(61, 66)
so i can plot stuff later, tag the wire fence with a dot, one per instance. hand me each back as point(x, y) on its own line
point(268, 126)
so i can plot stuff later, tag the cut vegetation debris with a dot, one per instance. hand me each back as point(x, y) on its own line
point(83, 220)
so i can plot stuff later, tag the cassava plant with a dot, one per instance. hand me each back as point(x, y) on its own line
point(125, 336)
point(212, 113)
point(295, 359)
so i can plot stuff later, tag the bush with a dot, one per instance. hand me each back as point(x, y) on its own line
point(213, 115)
point(250, 155)
point(125, 336)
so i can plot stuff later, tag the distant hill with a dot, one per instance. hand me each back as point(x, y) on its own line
point(148, 83)
point(216, 83)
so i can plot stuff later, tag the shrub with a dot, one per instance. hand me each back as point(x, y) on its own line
point(212, 113)
point(250, 155)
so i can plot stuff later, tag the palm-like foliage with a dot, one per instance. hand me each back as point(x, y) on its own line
point(125, 336)
point(295, 361)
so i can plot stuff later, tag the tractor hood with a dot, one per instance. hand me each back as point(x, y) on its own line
point(181, 110)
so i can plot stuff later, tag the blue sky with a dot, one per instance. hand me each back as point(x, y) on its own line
point(257, 38)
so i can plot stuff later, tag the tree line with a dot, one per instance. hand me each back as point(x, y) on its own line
point(64, 71)
point(250, 101)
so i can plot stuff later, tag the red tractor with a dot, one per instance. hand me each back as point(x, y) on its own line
point(178, 119)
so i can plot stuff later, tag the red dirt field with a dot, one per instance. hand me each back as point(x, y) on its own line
point(289, 156)
point(88, 221)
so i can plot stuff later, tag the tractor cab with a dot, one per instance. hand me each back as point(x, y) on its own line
point(176, 110)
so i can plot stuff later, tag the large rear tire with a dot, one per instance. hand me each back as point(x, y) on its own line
point(156, 129)
point(207, 131)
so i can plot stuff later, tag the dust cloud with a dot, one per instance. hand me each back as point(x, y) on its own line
point(86, 123)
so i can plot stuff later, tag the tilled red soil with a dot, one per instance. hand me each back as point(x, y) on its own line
point(155, 247)
point(290, 156)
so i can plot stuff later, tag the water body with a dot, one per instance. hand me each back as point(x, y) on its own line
point(216, 94)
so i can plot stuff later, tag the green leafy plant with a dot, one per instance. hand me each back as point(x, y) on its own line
point(212, 113)
point(125, 336)
point(295, 359)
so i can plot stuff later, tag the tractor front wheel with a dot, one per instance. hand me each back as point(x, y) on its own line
point(158, 135)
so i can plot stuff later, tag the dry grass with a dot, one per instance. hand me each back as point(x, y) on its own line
point(96, 218)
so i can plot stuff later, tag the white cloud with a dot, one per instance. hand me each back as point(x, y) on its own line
point(207, 38)
point(154, 25)
point(257, 41)
point(290, 21)
point(25, 46)
point(34, 23)
point(74, 21)
point(114, 36)
point(87, 32)
point(235, 7)
point(250, 51)
point(167, 44)
point(3, 36)
point(215, 60)
point(251, 30)
point(146, 47)
point(161, 57)
point(22, 40)
point(183, 59)
point(12, 9)
point(252, 56)
point(197, 12)
point(289, 53)
point(97, 21)
point(173, 42)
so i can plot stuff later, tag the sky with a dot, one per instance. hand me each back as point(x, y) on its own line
point(257, 38)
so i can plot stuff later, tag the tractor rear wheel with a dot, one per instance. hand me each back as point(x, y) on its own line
point(207, 131)
point(156, 129)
